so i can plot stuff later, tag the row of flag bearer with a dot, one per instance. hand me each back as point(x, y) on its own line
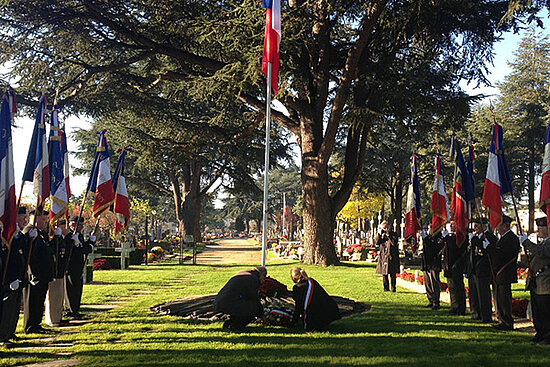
point(479, 255)
point(43, 253)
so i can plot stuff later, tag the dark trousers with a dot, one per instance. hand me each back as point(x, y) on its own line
point(73, 292)
point(238, 323)
point(479, 294)
point(433, 286)
point(34, 297)
point(386, 282)
point(10, 314)
point(457, 293)
point(502, 294)
point(540, 306)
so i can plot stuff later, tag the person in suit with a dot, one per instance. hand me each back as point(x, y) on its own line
point(74, 277)
point(503, 256)
point(431, 266)
point(453, 258)
point(239, 298)
point(388, 256)
point(538, 281)
point(479, 272)
point(314, 307)
point(15, 280)
point(40, 272)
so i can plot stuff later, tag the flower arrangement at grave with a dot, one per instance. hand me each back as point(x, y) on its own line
point(372, 255)
point(522, 273)
point(102, 264)
point(158, 252)
point(272, 287)
point(410, 277)
point(277, 311)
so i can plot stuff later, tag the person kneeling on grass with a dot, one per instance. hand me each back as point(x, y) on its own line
point(314, 306)
point(239, 298)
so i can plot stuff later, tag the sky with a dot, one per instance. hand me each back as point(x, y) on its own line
point(22, 133)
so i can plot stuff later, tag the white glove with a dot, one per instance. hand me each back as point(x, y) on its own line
point(471, 235)
point(33, 282)
point(422, 233)
point(92, 238)
point(75, 238)
point(15, 285)
point(485, 243)
point(57, 231)
point(444, 233)
point(33, 233)
point(523, 238)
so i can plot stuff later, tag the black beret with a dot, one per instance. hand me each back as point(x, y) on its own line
point(480, 220)
point(541, 222)
point(506, 219)
point(44, 212)
point(61, 222)
point(22, 210)
point(74, 218)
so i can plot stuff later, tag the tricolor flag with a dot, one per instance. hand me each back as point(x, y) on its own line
point(8, 209)
point(59, 198)
point(36, 168)
point(122, 204)
point(438, 207)
point(544, 201)
point(100, 178)
point(497, 181)
point(460, 195)
point(412, 224)
point(272, 40)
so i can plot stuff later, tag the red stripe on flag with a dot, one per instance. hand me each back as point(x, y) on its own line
point(492, 200)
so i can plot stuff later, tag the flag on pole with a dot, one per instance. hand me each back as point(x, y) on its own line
point(100, 179)
point(36, 169)
point(544, 201)
point(412, 224)
point(272, 40)
point(66, 166)
point(460, 195)
point(452, 150)
point(8, 209)
point(438, 207)
point(497, 180)
point(59, 198)
point(122, 204)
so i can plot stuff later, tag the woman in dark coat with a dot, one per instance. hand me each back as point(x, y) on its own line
point(388, 256)
point(239, 298)
point(314, 306)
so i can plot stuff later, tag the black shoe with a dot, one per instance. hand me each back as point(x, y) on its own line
point(6, 343)
point(475, 317)
point(536, 339)
point(436, 307)
point(429, 305)
point(453, 311)
point(502, 327)
point(37, 330)
point(14, 338)
point(226, 324)
point(394, 290)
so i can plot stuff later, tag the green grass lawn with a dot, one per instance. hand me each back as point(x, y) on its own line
point(398, 330)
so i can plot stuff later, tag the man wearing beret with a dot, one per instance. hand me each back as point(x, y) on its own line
point(74, 280)
point(15, 280)
point(538, 282)
point(503, 256)
point(479, 274)
point(40, 273)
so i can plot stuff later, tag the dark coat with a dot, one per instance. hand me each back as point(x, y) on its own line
point(239, 296)
point(453, 256)
point(431, 254)
point(61, 248)
point(17, 264)
point(478, 258)
point(539, 260)
point(503, 257)
point(41, 263)
point(321, 309)
point(388, 254)
point(77, 254)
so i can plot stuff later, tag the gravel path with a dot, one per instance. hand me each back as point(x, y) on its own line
point(231, 251)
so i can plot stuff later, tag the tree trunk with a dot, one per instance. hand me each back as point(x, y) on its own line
point(531, 189)
point(398, 203)
point(192, 202)
point(318, 215)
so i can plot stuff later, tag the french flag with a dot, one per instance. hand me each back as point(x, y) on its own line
point(497, 180)
point(544, 201)
point(122, 204)
point(459, 201)
point(100, 179)
point(438, 207)
point(8, 209)
point(37, 169)
point(272, 40)
point(59, 198)
point(412, 215)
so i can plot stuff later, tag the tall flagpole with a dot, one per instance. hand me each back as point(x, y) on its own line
point(266, 163)
point(284, 208)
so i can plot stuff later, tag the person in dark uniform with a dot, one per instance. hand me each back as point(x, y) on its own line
point(388, 256)
point(431, 266)
point(538, 282)
point(40, 273)
point(503, 256)
point(239, 298)
point(74, 280)
point(453, 258)
point(314, 307)
point(15, 280)
point(479, 272)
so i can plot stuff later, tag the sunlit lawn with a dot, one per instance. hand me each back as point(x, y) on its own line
point(398, 330)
